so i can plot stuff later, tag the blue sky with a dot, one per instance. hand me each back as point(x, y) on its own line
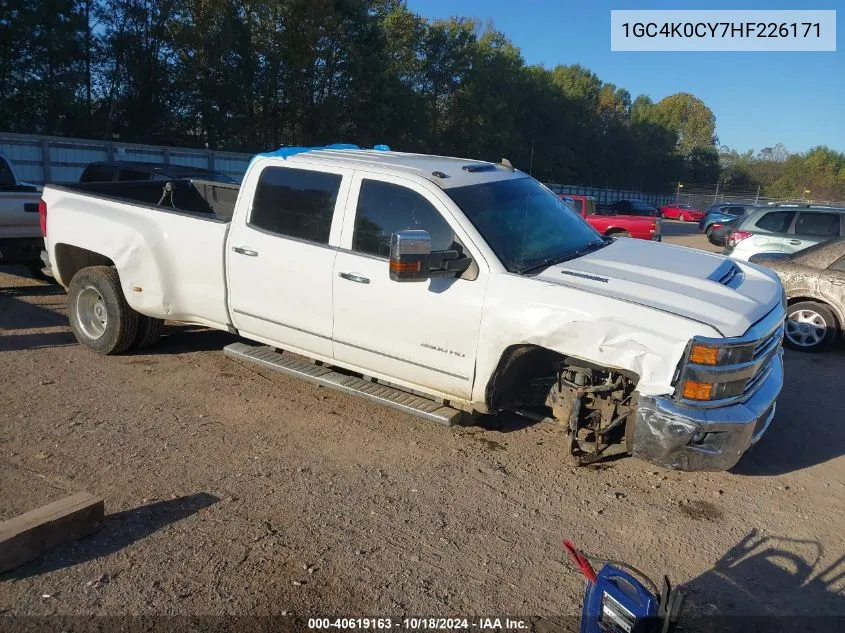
point(759, 98)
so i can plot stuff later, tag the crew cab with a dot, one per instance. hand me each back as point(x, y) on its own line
point(635, 226)
point(20, 235)
point(462, 284)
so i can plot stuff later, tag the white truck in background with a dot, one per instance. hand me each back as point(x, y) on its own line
point(20, 234)
point(437, 286)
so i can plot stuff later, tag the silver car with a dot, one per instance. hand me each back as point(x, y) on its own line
point(784, 229)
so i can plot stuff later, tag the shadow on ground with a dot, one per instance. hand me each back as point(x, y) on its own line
point(768, 584)
point(179, 339)
point(809, 426)
point(119, 530)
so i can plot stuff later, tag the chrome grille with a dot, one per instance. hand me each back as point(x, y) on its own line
point(764, 351)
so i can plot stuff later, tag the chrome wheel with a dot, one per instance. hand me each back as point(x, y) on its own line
point(91, 314)
point(805, 328)
point(683, 217)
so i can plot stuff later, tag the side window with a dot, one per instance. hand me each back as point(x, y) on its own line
point(579, 205)
point(97, 173)
point(295, 203)
point(734, 210)
point(132, 174)
point(817, 224)
point(6, 177)
point(591, 207)
point(839, 265)
point(776, 221)
point(384, 208)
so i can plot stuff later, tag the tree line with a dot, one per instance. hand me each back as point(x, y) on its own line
point(818, 174)
point(251, 75)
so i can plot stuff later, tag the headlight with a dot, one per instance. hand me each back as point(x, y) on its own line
point(715, 355)
point(716, 371)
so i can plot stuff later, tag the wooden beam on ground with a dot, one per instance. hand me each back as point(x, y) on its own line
point(29, 535)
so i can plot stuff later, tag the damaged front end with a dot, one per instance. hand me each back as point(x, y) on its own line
point(723, 403)
point(595, 405)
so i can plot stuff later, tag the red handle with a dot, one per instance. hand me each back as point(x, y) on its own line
point(581, 561)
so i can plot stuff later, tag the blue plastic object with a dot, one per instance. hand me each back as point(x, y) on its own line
point(287, 152)
point(616, 600)
point(381, 148)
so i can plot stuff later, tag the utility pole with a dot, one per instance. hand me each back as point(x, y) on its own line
point(716, 196)
point(531, 165)
point(757, 197)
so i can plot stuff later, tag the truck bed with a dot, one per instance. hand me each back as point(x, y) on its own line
point(204, 198)
point(166, 238)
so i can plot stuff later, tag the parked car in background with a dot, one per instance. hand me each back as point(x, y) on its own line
point(20, 231)
point(814, 281)
point(721, 214)
point(717, 234)
point(682, 212)
point(614, 225)
point(784, 230)
point(628, 207)
point(119, 170)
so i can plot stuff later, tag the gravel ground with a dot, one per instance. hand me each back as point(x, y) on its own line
point(235, 491)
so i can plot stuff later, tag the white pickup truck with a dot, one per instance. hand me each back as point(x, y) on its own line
point(438, 286)
point(20, 234)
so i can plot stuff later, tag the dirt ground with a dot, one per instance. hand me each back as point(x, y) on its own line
point(234, 491)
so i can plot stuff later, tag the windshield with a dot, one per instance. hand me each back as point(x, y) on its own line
point(524, 224)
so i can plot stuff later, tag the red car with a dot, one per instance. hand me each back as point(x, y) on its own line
point(638, 226)
point(682, 212)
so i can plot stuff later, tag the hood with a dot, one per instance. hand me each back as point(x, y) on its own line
point(728, 295)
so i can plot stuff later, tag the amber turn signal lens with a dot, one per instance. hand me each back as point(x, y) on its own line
point(703, 355)
point(404, 267)
point(697, 390)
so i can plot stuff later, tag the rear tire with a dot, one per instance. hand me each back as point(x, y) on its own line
point(810, 327)
point(149, 331)
point(99, 315)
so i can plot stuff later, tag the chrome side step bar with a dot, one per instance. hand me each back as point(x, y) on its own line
point(268, 358)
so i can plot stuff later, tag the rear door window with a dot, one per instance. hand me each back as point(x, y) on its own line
point(839, 265)
point(776, 221)
point(296, 203)
point(817, 224)
point(734, 211)
point(7, 179)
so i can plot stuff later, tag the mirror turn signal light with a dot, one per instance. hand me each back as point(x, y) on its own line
point(405, 267)
point(704, 355)
point(697, 390)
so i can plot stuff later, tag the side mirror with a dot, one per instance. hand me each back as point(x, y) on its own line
point(410, 255)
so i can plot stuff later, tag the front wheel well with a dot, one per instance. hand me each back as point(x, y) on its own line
point(71, 259)
point(525, 368)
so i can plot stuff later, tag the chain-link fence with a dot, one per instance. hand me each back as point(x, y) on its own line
point(696, 196)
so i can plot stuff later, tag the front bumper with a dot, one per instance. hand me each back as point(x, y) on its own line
point(686, 438)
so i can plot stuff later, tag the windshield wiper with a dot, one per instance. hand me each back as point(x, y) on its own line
point(545, 262)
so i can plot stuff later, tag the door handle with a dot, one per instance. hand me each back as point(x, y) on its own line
point(795, 242)
point(243, 250)
point(358, 279)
